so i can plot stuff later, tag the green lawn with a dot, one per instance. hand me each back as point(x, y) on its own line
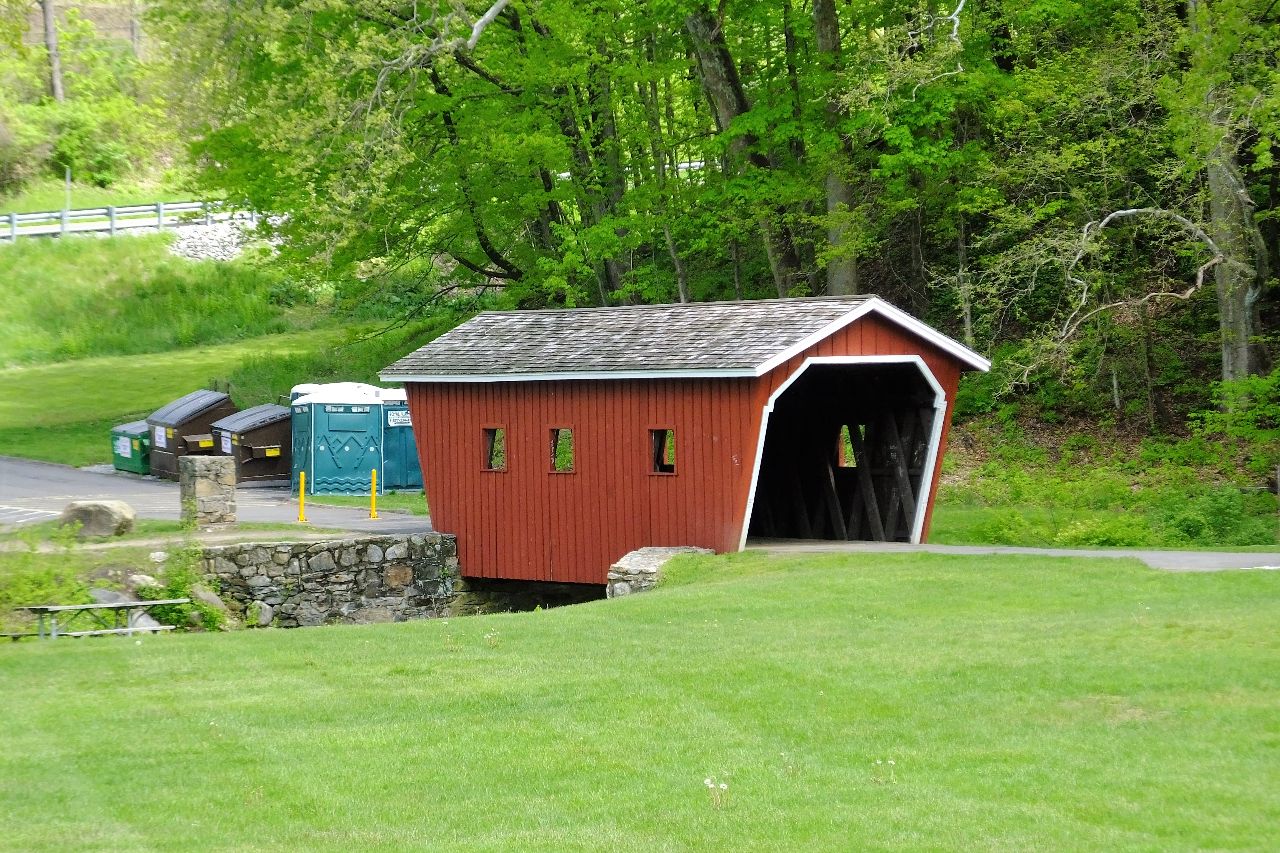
point(1015, 703)
point(64, 412)
point(411, 502)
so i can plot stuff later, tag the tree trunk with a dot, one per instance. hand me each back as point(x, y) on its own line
point(135, 29)
point(48, 13)
point(737, 270)
point(962, 281)
point(682, 278)
point(842, 266)
point(1231, 223)
point(719, 76)
point(793, 79)
point(1230, 219)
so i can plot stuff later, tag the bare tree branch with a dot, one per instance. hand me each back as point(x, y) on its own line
point(485, 20)
point(953, 36)
point(1079, 315)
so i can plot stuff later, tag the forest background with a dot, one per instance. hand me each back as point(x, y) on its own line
point(1086, 191)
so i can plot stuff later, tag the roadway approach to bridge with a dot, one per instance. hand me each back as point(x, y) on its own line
point(37, 491)
point(1164, 560)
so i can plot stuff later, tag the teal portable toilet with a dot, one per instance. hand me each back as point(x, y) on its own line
point(400, 466)
point(337, 438)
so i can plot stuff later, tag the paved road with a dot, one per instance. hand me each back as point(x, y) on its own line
point(37, 491)
point(1171, 561)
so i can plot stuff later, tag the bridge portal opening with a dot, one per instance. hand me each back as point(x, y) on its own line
point(848, 455)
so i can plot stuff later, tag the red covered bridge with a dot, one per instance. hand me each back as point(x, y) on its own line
point(554, 442)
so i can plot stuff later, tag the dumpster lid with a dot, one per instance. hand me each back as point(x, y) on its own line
point(258, 416)
point(185, 408)
point(132, 428)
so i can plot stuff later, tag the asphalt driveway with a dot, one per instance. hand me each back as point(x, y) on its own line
point(37, 491)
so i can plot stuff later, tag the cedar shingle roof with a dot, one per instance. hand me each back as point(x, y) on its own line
point(705, 338)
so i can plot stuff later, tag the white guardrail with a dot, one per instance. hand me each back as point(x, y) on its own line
point(157, 215)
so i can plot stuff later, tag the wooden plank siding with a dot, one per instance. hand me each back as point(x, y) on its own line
point(530, 523)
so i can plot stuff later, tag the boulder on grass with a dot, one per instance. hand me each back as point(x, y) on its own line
point(99, 518)
point(209, 598)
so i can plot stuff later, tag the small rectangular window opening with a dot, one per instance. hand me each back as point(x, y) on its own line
point(495, 449)
point(664, 450)
point(845, 457)
point(561, 450)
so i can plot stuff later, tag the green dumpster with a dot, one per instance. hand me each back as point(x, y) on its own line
point(131, 447)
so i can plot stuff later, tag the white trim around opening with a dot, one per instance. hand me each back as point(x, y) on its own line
point(935, 438)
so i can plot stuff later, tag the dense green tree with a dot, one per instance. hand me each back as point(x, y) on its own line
point(1061, 174)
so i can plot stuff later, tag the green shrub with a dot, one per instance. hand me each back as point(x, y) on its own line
point(20, 150)
point(1220, 516)
point(31, 577)
point(1010, 527)
point(182, 573)
point(1106, 531)
point(1248, 417)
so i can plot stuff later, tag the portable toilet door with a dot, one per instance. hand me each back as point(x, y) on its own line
point(300, 424)
point(400, 466)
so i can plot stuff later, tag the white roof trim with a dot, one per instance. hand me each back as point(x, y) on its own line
point(893, 315)
point(740, 373)
point(873, 305)
point(932, 335)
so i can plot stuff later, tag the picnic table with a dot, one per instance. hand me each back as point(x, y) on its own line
point(116, 617)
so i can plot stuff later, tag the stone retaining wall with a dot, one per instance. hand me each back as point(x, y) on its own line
point(642, 569)
point(369, 579)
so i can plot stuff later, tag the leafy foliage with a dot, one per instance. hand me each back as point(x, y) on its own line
point(1248, 416)
point(30, 577)
point(112, 124)
point(622, 152)
point(181, 573)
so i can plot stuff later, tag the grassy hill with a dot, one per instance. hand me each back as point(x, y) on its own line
point(63, 412)
point(83, 297)
point(98, 332)
point(887, 702)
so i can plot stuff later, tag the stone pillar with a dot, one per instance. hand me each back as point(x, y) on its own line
point(642, 569)
point(207, 488)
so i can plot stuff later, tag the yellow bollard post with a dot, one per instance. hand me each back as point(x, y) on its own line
point(302, 496)
point(373, 493)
